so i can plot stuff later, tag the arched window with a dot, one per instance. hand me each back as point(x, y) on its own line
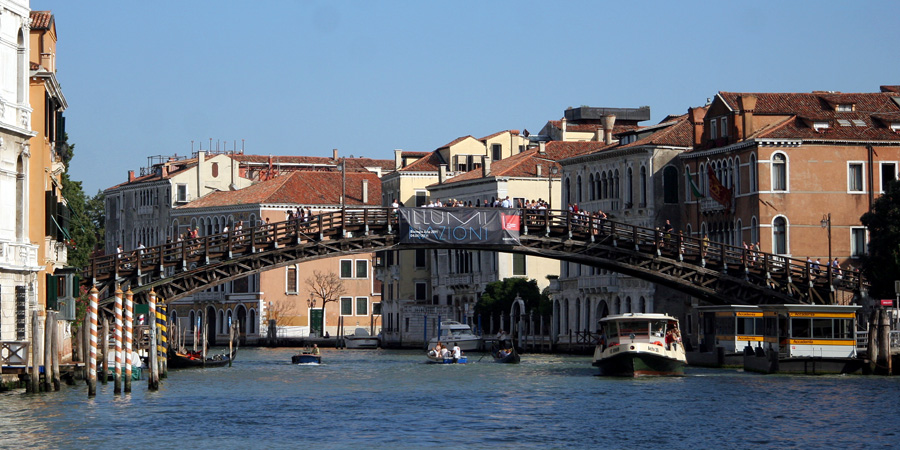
point(779, 172)
point(251, 319)
point(739, 233)
point(578, 195)
point(753, 178)
point(754, 230)
point(670, 184)
point(568, 191)
point(627, 305)
point(577, 322)
point(193, 321)
point(629, 186)
point(642, 305)
point(592, 192)
point(21, 69)
point(737, 175)
point(779, 236)
point(599, 186)
point(643, 186)
point(615, 194)
point(618, 305)
point(604, 187)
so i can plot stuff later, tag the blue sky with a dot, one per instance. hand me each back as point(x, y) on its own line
point(365, 77)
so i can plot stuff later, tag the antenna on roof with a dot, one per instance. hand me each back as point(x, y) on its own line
point(192, 146)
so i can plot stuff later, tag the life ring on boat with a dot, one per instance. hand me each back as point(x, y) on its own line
point(658, 343)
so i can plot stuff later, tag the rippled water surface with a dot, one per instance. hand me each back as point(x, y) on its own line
point(392, 400)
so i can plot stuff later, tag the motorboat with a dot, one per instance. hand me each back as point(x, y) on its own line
point(361, 339)
point(453, 332)
point(806, 339)
point(639, 344)
point(434, 358)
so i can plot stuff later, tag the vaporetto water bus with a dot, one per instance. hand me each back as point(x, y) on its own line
point(725, 331)
point(806, 339)
point(636, 344)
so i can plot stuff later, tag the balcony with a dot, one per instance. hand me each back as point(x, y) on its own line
point(708, 205)
point(19, 256)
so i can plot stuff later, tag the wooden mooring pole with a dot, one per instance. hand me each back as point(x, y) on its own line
point(34, 378)
point(230, 343)
point(884, 340)
point(153, 381)
point(104, 345)
point(117, 311)
point(129, 337)
point(48, 356)
point(92, 352)
point(54, 353)
point(163, 319)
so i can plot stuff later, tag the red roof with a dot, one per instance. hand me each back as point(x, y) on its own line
point(512, 132)
point(679, 133)
point(427, 163)
point(299, 188)
point(41, 20)
point(802, 108)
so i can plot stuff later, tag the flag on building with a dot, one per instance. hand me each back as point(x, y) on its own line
point(717, 191)
point(693, 186)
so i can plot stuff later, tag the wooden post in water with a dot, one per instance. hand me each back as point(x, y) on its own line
point(129, 337)
point(54, 353)
point(34, 385)
point(104, 344)
point(871, 347)
point(48, 357)
point(92, 355)
point(163, 317)
point(86, 343)
point(117, 311)
point(153, 378)
point(884, 340)
point(230, 344)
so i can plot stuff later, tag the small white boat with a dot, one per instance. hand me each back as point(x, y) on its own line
point(455, 333)
point(438, 359)
point(640, 345)
point(361, 339)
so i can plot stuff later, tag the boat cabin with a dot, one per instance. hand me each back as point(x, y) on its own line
point(731, 327)
point(643, 328)
point(810, 330)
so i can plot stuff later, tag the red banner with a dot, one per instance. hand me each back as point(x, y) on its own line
point(717, 191)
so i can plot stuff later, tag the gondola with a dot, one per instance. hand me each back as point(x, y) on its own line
point(178, 360)
point(505, 353)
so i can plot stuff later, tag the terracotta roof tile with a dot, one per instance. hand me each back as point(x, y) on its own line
point(678, 133)
point(298, 188)
point(41, 20)
point(512, 132)
point(427, 163)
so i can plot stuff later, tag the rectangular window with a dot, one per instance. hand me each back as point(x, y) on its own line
point(888, 174)
point(181, 192)
point(346, 306)
point(362, 306)
point(291, 279)
point(346, 268)
point(496, 152)
point(421, 198)
point(713, 129)
point(855, 177)
point(420, 258)
point(518, 264)
point(376, 308)
point(362, 268)
point(724, 131)
point(857, 242)
point(421, 291)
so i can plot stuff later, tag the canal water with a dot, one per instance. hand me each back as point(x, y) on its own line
point(384, 399)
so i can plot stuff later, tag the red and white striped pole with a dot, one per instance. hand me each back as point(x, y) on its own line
point(117, 310)
point(129, 333)
point(92, 358)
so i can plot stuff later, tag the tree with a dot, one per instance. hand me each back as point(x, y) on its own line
point(281, 311)
point(326, 287)
point(881, 266)
point(498, 297)
point(85, 228)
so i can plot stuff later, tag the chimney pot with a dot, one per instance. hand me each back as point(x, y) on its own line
point(335, 152)
point(365, 192)
point(609, 121)
point(486, 166)
point(539, 169)
point(130, 176)
point(542, 148)
point(398, 159)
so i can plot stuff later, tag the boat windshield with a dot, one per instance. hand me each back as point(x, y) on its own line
point(641, 329)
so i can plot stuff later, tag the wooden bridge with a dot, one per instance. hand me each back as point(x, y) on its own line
point(717, 273)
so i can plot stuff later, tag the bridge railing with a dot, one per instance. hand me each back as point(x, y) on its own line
point(335, 224)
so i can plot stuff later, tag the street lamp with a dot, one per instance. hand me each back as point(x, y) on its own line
point(826, 223)
point(310, 303)
point(553, 171)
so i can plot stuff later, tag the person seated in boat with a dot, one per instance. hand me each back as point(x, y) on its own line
point(457, 352)
point(445, 353)
point(670, 338)
point(315, 349)
point(503, 353)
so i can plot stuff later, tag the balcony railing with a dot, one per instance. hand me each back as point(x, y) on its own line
point(18, 255)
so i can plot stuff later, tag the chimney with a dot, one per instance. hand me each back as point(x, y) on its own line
point(486, 166)
point(542, 148)
point(365, 191)
point(164, 170)
point(398, 159)
point(539, 169)
point(334, 152)
point(442, 173)
point(609, 121)
point(562, 128)
point(130, 176)
point(696, 115)
point(748, 104)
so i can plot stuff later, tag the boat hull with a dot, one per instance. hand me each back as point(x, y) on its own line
point(180, 361)
point(715, 359)
point(437, 360)
point(803, 365)
point(306, 359)
point(620, 361)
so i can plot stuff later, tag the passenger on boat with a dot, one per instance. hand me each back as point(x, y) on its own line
point(670, 339)
point(457, 352)
point(445, 353)
point(503, 353)
point(315, 349)
point(436, 351)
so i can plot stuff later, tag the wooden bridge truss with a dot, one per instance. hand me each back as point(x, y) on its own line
point(717, 273)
